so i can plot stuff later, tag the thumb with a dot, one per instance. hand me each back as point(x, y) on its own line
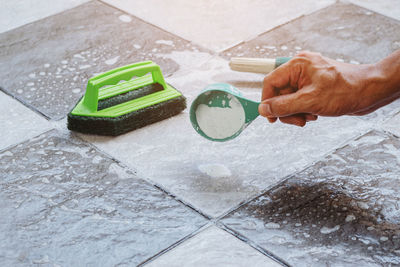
point(282, 106)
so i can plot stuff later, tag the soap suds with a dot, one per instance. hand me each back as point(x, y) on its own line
point(219, 122)
point(112, 61)
point(383, 238)
point(125, 18)
point(350, 218)
point(272, 225)
point(82, 67)
point(363, 205)
point(326, 230)
point(165, 42)
point(215, 170)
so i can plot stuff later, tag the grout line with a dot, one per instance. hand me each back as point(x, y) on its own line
point(147, 180)
point(351, 2)
point(284, 179)
point(27, 140)
point(182, 240)
point(276, 27)
point(46, 16)
point(26, 104)
point(212, 52)
point(253, 244)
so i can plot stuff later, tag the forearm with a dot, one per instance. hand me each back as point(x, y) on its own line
point(389, 70)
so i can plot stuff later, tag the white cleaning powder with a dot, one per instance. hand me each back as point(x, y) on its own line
point(215, 170)
point(219, 122)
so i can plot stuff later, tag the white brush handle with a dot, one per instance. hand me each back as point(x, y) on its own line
point(256, 65)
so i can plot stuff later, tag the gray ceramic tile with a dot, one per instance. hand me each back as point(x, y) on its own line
point(215, 177)
point(343, 211)
point(342, 31)
point(18, 123)
point(65, 204)
point(218, 25)
point(14, 14)
point(390, 8)
point(392, 125)
point(49, 62)
point(213, 247)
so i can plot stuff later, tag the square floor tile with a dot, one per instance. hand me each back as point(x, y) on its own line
point(342, 211)
point(48, 63)
point(212, 176)
point(342, 31)
point(16, 13)
point(392, 125)
point(18, 123)
point(66, 204)
point(218, 25)
point(390, 8)
point(213, 247)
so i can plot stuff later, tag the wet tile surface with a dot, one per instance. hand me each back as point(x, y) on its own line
point(218, 25)
point(67, 204)
point(50, 61)
point(392, 125)
point(17, 122)
point(390, 8)
point(212, 176)
point(343, 211)
point(14, 14)
point(341, 31)
point(213, 247)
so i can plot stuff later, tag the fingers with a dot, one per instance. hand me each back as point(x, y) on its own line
point(310, 117)
point(285, 105)
point(280, 95)
point(299, 119)
point(279, 78)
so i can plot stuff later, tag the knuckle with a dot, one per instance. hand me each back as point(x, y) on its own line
point(266, 79)
point(304, 53)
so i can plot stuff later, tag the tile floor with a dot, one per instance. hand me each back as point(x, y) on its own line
point(323, 195)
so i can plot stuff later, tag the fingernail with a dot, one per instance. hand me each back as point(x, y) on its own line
point(264, 110)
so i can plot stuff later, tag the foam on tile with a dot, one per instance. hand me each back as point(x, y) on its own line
point(215, 170)
point(112, 61)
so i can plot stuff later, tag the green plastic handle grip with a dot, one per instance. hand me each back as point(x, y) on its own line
point(114, 76)
point(281, 60)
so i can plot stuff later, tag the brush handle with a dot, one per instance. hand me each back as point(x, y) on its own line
point(112, 77)
point(256, 65)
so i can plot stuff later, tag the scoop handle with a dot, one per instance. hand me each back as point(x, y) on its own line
point(256, 65)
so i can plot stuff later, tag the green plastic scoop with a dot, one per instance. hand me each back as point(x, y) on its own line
point(220, 113)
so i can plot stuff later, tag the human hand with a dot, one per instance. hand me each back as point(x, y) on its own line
point(310, 85)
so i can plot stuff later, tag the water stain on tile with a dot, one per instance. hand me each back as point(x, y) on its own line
point(342, 211)
point(50, 61)
point(68, 204)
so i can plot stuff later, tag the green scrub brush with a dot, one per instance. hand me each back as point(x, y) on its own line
point(125, 104)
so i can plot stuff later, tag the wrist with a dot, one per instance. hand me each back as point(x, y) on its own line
point(388, 70)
